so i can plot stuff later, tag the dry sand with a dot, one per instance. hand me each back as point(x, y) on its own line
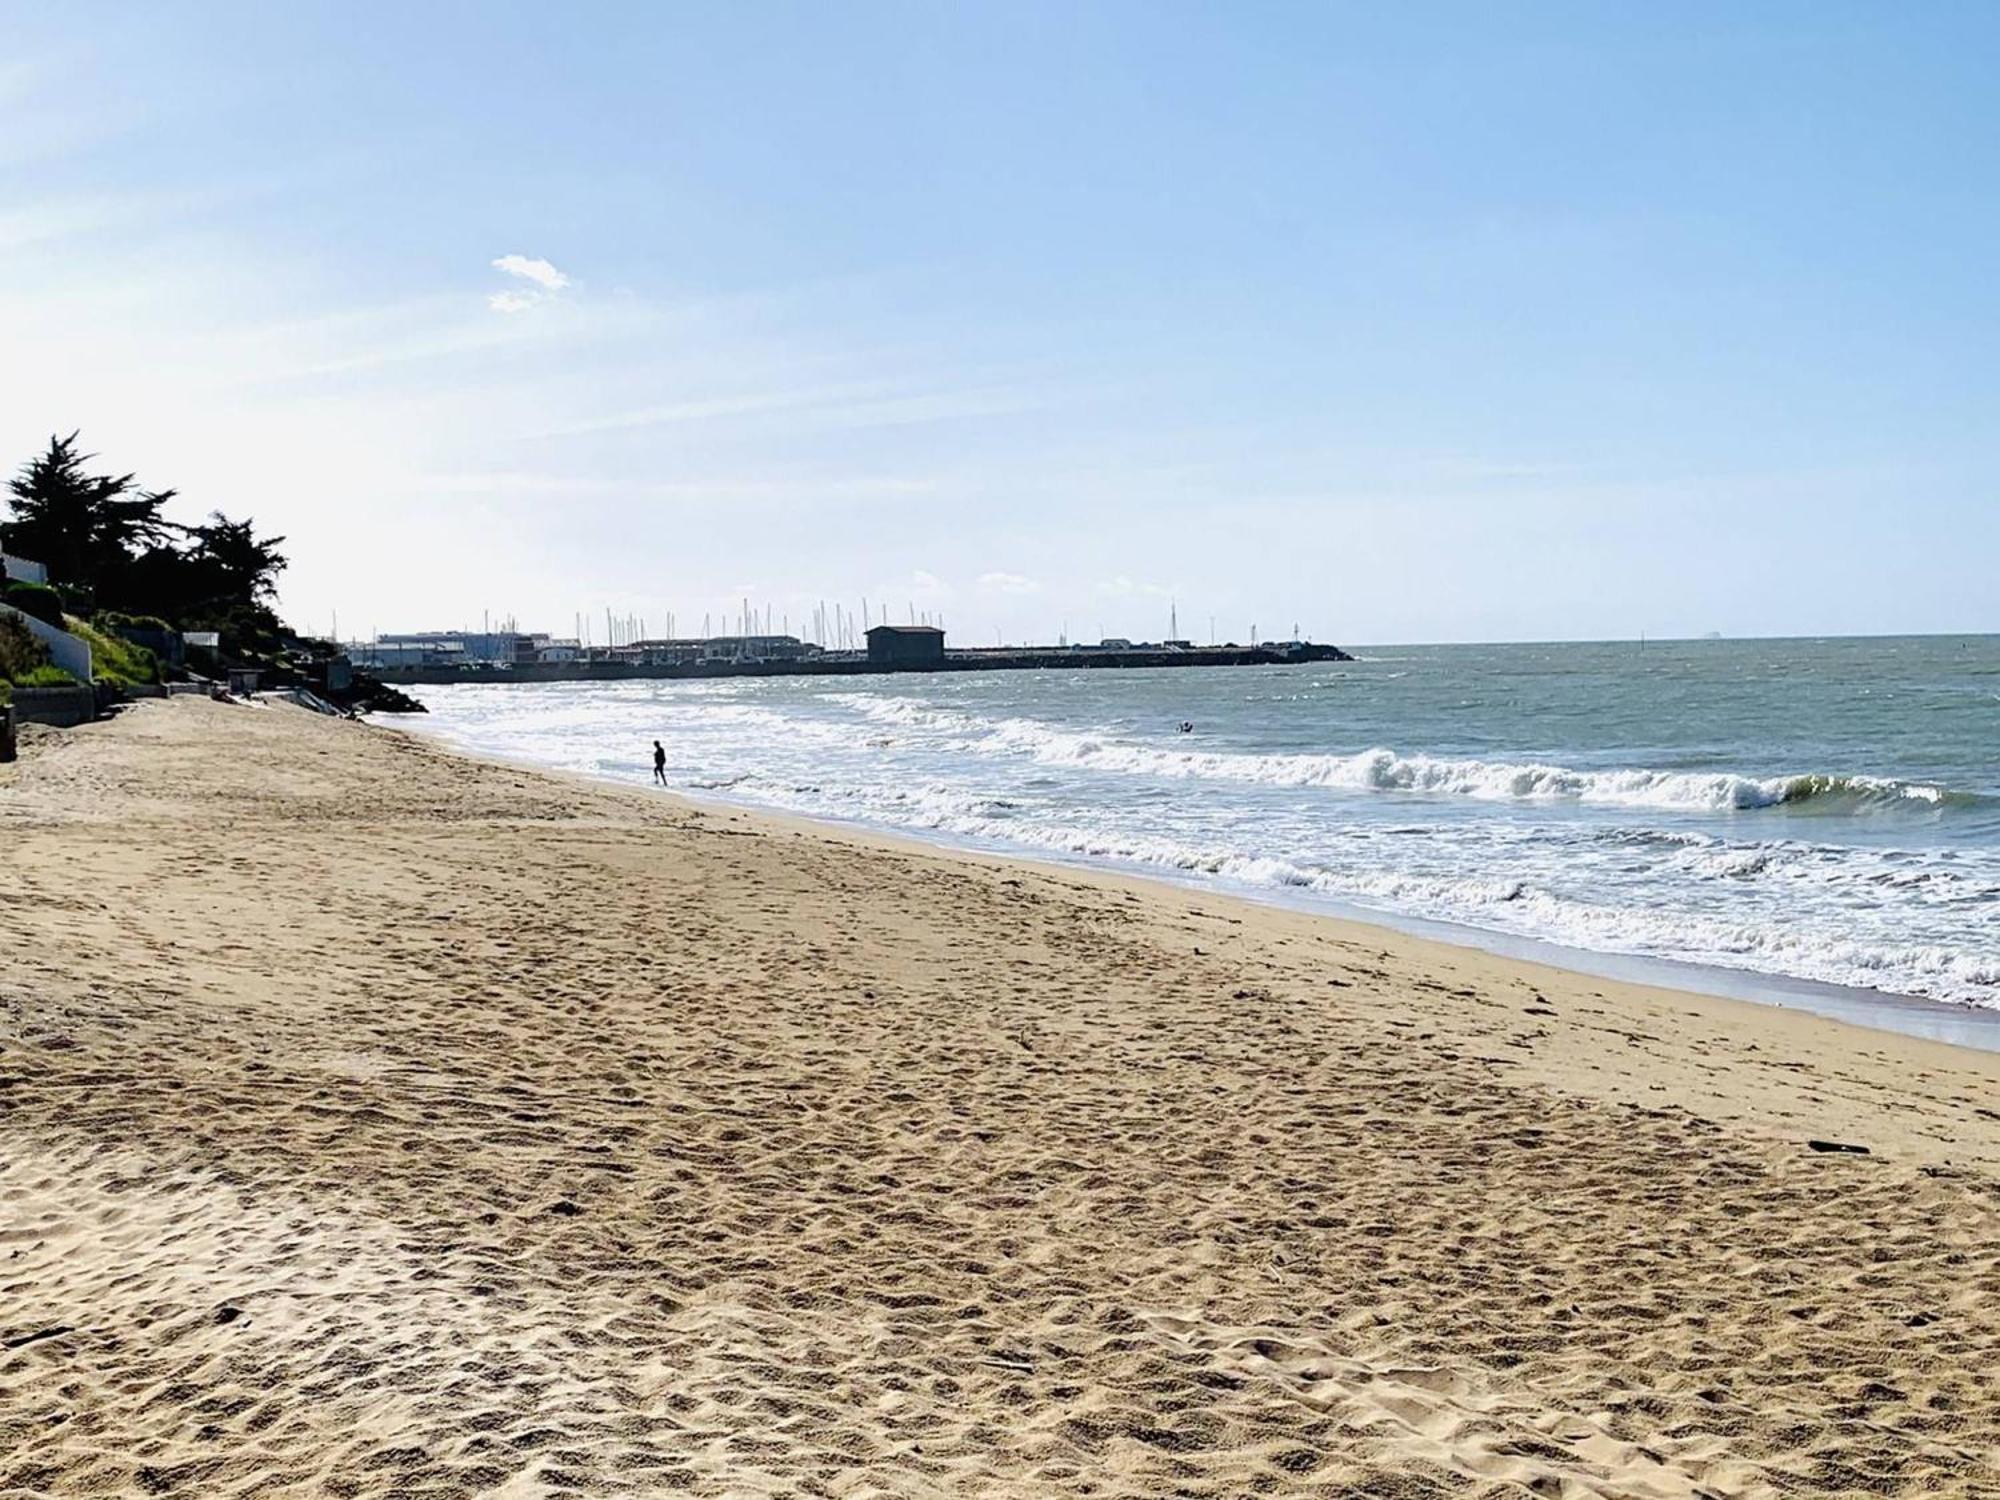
point(376, 1122)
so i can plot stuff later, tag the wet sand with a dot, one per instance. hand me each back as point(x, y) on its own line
point(378, 1122)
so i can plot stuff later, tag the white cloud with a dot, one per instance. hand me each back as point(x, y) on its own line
point(1007, 583)
point(546, 280)
point(530, 268)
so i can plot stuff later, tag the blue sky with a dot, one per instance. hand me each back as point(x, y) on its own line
point(1397, 322)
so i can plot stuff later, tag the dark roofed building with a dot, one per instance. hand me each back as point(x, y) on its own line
point(906, 645)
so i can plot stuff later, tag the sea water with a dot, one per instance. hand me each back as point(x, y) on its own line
point(1824, 810)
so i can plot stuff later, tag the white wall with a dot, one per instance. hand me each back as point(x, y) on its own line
point(70, 652)
point(20, 570)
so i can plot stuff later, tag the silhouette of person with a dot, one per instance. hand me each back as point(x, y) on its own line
point(659, 763)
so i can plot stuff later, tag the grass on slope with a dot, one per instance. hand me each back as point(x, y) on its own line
point(113, 658)
point(24, 661)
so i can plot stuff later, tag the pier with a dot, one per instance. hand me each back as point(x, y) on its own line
point(890, 650)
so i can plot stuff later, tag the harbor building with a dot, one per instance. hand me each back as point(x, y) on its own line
point(429, 648)
point(906, 645)
point(696, 650)
point(505, 651)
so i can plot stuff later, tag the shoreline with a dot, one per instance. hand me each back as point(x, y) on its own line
point(1951, 1023)
point(376, 1118)
point(1432, 952)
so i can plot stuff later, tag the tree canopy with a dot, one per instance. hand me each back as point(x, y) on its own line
point(85, 527)
point(108, 547)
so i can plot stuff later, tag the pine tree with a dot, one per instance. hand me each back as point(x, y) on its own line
point(86, 528)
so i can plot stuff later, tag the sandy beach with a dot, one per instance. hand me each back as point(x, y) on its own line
point(375, 1121)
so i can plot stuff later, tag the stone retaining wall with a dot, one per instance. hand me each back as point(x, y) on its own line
point(60, 706)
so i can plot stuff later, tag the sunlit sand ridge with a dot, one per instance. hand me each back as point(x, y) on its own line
point(376, 1122)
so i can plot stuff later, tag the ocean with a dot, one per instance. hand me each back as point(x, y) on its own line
point(1808, 810)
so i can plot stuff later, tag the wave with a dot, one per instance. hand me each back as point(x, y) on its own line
point(1384, 770)
point(1851, 880)
point(1541, 904)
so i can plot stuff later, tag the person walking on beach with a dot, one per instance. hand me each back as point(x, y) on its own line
point(659, 763)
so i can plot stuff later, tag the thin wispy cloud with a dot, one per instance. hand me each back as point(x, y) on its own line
point(937, 406)
point(747, 489)
point(843, 407)
point(754, 403)
point(390, 340)
point(121, 215)
point(1122, 587)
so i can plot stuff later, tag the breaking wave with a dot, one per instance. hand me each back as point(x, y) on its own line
point(1856, 880)
point(1383, 770)
point(1539, 908)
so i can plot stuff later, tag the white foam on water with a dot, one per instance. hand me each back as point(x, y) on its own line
point(1706, 867)
point(1757, 939)
point(1383, 770)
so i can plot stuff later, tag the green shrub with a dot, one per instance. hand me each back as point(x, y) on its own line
point(114, 621)
point(23, 659)
point(37, 599)
point(20, 652)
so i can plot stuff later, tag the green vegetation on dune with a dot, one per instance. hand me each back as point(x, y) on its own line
point(111, 619)
point(45, 676)
point(24, 661)
point(114, 659)
point(20, 652)
point(36, 599)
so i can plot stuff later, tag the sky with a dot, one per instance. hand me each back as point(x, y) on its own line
point(1387, 323)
